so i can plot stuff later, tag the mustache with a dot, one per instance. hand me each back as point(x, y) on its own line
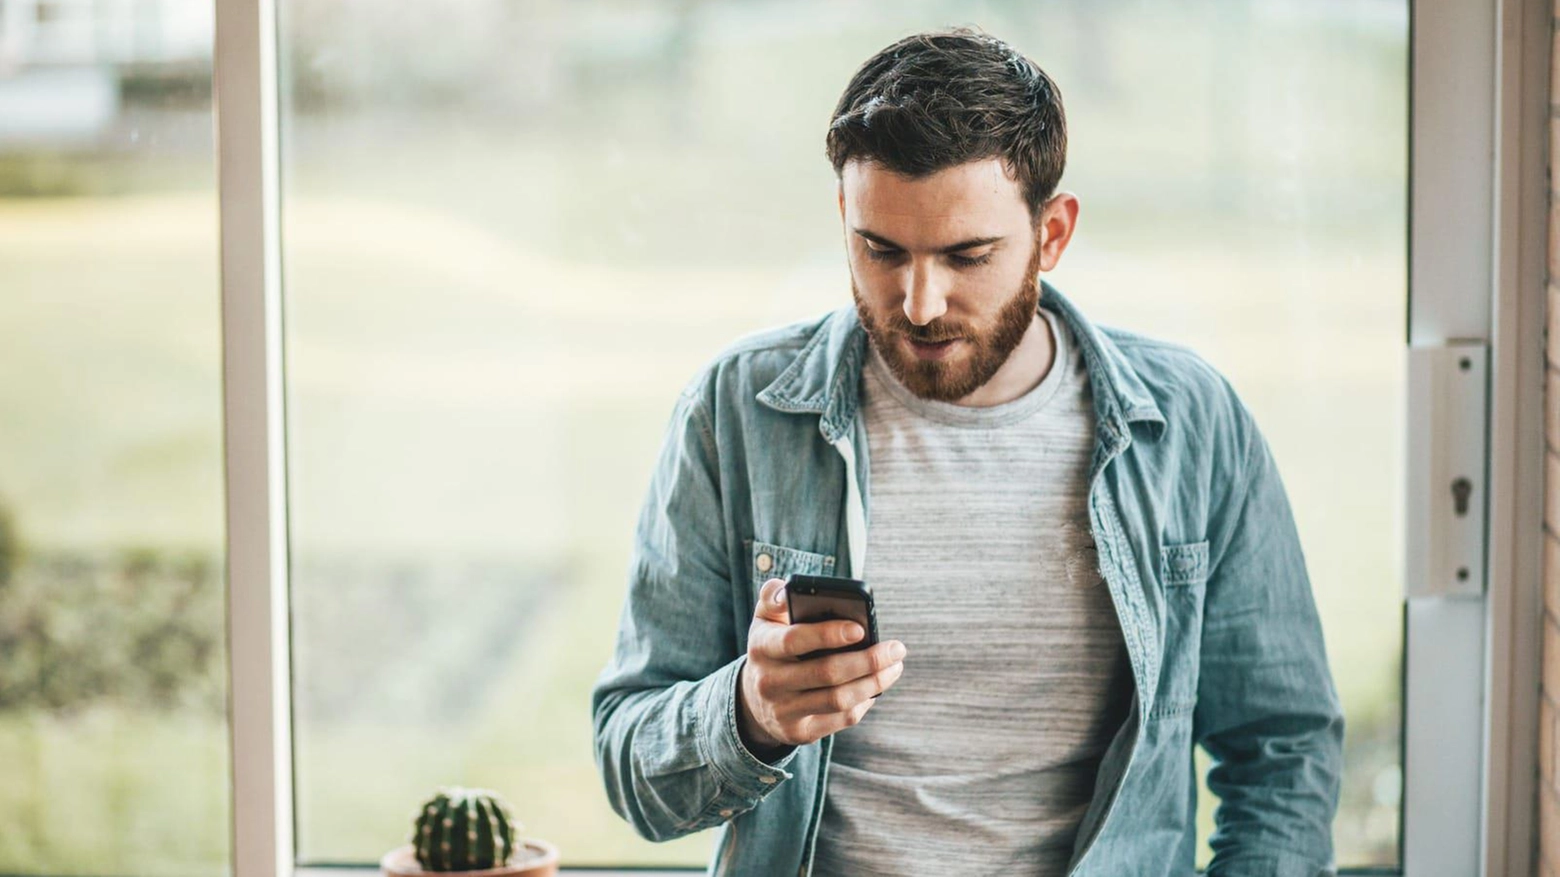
point(931, 333)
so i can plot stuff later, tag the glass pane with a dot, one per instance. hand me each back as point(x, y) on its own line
point(507, 249)
point(113, 735)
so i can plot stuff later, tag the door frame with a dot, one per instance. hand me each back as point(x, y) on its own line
point(1478, 195)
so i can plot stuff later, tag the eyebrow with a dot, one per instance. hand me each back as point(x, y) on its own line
point(951, 248)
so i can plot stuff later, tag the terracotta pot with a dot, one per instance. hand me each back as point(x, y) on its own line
point(540, 859)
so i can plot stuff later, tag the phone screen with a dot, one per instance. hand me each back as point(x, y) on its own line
point(813, 600)
point(828, 607)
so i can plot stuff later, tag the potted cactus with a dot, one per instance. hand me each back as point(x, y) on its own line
point(471, 832)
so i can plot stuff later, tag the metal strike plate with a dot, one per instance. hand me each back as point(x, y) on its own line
point(1446, 469)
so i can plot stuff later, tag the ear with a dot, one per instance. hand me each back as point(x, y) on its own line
point(1057, 221)
point(840, 190)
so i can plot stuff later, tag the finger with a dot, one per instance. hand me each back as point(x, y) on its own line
point(799, 639)
point(771, 602)
point(819, 727)
point(788, 642)
point(842, 699)
point(832, 670)
point(771, 618)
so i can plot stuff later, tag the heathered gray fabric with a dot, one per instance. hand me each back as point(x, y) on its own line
point(982, 758)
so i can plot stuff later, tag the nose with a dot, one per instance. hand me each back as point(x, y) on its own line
point(927, 297)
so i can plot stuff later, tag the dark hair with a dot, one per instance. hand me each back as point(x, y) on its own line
point(939, 99)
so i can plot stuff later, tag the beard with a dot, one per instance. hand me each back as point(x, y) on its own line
point(985, 349)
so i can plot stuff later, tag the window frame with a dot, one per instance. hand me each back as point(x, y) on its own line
point(244, 92)
point(1478, 127)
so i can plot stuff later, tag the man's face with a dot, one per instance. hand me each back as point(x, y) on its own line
point(944, 270)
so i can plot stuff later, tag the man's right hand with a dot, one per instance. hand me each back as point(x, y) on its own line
point(784, 701)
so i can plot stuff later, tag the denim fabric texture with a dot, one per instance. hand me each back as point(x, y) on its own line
point(759, 476)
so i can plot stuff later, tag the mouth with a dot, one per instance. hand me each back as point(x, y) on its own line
point(932, 349)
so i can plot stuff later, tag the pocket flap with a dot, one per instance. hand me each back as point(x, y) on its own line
point(1185, 564)
point(770, 561)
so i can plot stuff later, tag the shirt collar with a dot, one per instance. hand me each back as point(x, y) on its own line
point(825, 376)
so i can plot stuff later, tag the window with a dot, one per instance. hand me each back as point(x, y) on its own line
point(508, 246)
point(113, 738)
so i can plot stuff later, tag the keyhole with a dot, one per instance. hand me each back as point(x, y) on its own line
point(1461, 488)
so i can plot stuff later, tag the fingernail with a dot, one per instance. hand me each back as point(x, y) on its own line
point(854, 632)
point(779, 596)
point(897, 651)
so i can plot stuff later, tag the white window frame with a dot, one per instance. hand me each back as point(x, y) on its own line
point(1478, 212)
point(244, 80)
point(1478, 132)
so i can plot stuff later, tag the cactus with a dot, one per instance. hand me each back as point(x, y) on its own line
point(464, 830)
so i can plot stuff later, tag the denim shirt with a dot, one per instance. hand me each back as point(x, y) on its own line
point(763, 472)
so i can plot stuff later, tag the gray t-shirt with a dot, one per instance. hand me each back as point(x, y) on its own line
point(982, 758)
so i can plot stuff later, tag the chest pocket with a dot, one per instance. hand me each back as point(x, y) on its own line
point(1183, 571)
point(767, 560)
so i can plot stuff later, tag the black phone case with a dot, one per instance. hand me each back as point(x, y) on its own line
point(796, 591)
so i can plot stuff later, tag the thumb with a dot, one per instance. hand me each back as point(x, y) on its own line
point(771, 602)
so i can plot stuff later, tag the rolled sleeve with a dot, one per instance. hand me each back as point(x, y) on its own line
point(742, 771)
point(664, 707)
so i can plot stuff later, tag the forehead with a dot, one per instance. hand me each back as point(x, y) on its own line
point(972, 197)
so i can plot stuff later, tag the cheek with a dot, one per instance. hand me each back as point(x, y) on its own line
point(996, 282)
point(875, 283)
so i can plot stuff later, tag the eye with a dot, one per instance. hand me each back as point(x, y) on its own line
point(889, 255)
point(971, 261)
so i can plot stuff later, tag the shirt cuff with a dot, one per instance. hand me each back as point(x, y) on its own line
point(1277, 863)
point(718, 735)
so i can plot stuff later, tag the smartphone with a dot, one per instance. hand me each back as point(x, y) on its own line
point(826, 598)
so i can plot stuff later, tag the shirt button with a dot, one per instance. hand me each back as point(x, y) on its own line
point(767, 780)
point(725, 814)
point(764, 562)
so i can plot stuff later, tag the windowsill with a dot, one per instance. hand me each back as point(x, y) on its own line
point(603, 871)
point(594, 871)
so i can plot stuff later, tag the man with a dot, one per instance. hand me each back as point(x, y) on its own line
point(1082, 554)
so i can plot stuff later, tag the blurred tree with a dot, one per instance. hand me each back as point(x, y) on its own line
point(9, 551)
point(143, 628)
